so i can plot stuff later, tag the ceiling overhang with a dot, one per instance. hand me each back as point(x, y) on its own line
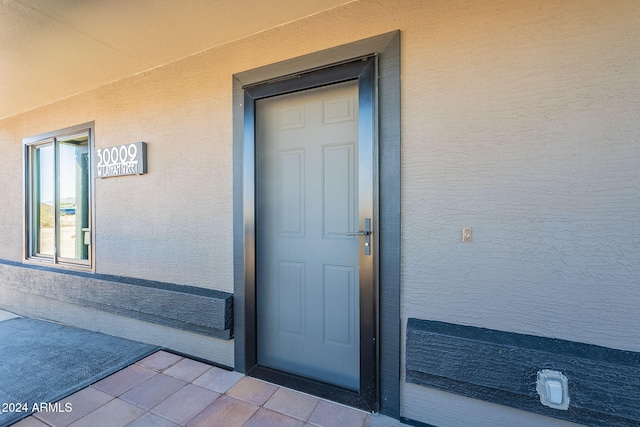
point(50, 50)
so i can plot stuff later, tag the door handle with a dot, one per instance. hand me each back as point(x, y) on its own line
point(358, 233)
point(366, 233)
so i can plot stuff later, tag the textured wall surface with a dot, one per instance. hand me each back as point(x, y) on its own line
point(604, 383)
point(519, 119)
point(198, 310)
point(522, 121)
point(525, 128)
point(218, 351)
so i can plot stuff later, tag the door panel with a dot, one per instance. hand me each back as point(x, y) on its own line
point(339, 305)
point(307, 268)
point(339, 202)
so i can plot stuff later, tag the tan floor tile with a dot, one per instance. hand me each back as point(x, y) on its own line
point(187, 369)
point(124, 380)
point(153, 391)
point(115, 413)
point(160, 360)
point(225, 412)
point(267, 418)
point(82, 402)
point(292, 403)
point(218, 380)
point(185, 404)
point(329, 414)
point(152, 420)
point(174, 402)
point(252, 391)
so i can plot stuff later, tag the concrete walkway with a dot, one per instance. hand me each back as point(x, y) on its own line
point(164, 389)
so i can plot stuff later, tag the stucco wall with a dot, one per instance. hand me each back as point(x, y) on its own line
point(525, 128)
point(519, 119)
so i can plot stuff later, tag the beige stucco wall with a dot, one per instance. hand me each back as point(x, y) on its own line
point(525, 128)
point(520, 119)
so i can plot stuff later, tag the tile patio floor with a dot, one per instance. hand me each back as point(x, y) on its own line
point(166, 390)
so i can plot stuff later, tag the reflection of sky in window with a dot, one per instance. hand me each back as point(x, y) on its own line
point(46, 174)
point(68, 170)
point(67, 174)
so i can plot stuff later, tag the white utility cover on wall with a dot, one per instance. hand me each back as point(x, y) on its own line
point(553, 389)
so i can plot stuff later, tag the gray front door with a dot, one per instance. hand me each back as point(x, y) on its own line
point(310, 194)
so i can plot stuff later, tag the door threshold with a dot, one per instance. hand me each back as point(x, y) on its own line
point(315, 388)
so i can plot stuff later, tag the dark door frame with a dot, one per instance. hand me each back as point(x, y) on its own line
point(326, 67)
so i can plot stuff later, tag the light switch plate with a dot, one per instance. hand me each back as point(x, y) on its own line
point(466, 235)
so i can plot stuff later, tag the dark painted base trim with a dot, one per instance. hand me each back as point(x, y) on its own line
point(501, 367)
point(414, 422)
point(202, 311)
point(211, 293)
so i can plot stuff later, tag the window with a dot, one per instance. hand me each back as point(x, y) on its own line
point(58, 196)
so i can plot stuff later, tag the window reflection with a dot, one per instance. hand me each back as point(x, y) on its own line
point(44, 218)
point(59, 198)
point(73, 197)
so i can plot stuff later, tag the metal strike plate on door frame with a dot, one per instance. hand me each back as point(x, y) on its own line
point(367, 235)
